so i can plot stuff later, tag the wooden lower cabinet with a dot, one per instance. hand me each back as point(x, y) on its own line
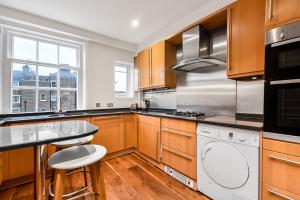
point(149, 136)
point(111, 132)
point(272, 193)
point(178, 139)
point(130, 121)
point(280, 170)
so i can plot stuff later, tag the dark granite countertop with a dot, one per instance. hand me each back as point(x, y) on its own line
point(229, 121)
point(18, 136)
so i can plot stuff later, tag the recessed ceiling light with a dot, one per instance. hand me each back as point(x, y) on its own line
point(135, 23)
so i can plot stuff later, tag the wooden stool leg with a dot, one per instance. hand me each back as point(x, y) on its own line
point(85, 176)
point(98, 180)
point(59, 184)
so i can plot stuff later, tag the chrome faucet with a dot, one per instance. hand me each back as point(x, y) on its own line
point(65, 97)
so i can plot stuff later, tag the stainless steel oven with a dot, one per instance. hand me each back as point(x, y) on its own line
point(282, 80)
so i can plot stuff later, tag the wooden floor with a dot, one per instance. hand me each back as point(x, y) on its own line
point(127, 177)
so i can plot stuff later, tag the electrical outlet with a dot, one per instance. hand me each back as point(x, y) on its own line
point(97, 105)
point(110, 105)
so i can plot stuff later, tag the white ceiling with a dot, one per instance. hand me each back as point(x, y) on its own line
point(111, 17)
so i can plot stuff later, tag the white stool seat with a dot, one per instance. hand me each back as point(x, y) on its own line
point(74, 142)
point(77, 157)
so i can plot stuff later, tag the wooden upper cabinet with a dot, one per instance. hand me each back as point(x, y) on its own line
point(280, 12)
point(246, 33)
point(155, 66)
point(144, 68)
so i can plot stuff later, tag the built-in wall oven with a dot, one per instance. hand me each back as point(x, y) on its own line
point(282, 80)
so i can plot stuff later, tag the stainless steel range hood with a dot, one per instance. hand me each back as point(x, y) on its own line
point(202, 48)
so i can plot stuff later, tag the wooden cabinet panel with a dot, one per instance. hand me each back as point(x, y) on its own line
point(282, 171)
point(246, 33)
point(179, 140)
point(272, 193)
point(177, 124)
point(144, 69)
point(282, 147)
point(149, 136)
point(182, 162)
point(158, 64)
point(281, 12)
point(111, 132)
point(130, 130)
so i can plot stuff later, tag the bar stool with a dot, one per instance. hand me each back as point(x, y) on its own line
point(75, 158)
point(70, 143)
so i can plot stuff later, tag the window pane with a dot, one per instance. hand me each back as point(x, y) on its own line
point(120, 82)
point(23, 75)
point(47, 76)
point(24, 49)
point(47, 100)
point(120, 69)
point(68, 56)
point(68, 78)
point(48, 53)
point(68, 100)
point(26, 102)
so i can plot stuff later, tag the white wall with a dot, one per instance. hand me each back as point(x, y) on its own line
point(100, 75)
point(176, 26)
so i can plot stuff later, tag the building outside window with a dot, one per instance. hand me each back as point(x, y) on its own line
point(42, 70)
point(123, 83)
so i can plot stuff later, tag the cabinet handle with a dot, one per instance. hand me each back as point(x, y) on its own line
point(285, 160)
point(270, 9)
point(183, 155)
point(280, 195)
point(177, 132)
point(229, 38)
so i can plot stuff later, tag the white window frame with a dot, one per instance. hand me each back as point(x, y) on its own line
point(16, 95)
point(9, 60)
point(129, 89)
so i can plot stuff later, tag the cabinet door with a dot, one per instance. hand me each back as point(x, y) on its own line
point(158, 64)
point(148, 140)
point(278, 12)
point(144, 68)
point(111, 132)
point(130, 131)
point(245, 39)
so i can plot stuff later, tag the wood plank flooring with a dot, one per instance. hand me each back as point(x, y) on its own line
point(128, 177)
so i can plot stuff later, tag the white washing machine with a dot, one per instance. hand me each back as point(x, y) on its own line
point(227, 162)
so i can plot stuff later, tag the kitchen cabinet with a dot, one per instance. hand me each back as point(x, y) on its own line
point(144, 69)
point(246, 33)
point(280, 12)
point(149, 136)
point(130, 121)
point(280, 169)
point(155, 66)
point(178, 139)
point(111, 132)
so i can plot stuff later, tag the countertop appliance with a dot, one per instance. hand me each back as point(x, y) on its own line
point(282, 84)
point(145, 104)
point(227, 162)
point(202, 48)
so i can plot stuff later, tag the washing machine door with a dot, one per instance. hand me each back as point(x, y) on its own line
point(225, 165)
